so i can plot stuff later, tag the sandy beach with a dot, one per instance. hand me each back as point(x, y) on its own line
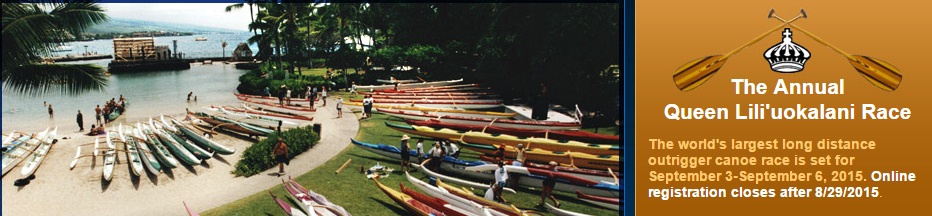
point(58, 190)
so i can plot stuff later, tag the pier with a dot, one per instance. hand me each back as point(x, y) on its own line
point(69, 58)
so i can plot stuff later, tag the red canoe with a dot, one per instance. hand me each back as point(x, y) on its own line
point(577, 135)
point(295, 108)
point(255, 112)
point(399, 100)
point(507, 123)
point(269, 98)
point(611, 203)
point(433, 202)
point(431, 93)
point(433, 97)
point(591, 174)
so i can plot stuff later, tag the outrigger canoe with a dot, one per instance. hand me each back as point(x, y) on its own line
point(175, 147)
point(467, 194)
point(436, 203)
point(413, 206)
point(396, 81)
point(318, 198)
point(499, 139)
point(291, 211)
point(275, 107)
point(431, 97)
point(435, 111)
point(408, 85)
point(505, 123)
point(230, 124)
point(204, 142)
point(149, 160)
point(609, 203)
point(576, 135)
point(432, 93)
point(161, 152)
point(462, 168)
point(109, 157)
point(595, 175)
point(256, 120)
point(578, 159)
point(464, 204)
point(444, 104)
point(19, 148)
point(305, 203)
point(423, 100)
point(133, 155)
point(36, 157)
point(560, 212)
point(264, 113)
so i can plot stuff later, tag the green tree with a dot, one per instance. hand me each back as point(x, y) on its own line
point(31, 30)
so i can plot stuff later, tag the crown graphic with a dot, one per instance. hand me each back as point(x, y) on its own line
point(787, 57)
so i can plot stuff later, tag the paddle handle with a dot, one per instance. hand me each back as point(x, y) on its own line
point(343, 166)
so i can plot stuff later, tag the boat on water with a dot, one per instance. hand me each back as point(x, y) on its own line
point(508, 140)
point(200, 39)
point(576, 135)
point(61, 48)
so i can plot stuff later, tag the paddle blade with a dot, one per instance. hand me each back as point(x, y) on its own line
point(696, 72)
point(878, 72)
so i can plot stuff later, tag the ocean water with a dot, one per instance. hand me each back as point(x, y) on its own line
point(148, 94)
point(186, 44)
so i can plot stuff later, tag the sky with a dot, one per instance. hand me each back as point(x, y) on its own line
point(203, 14)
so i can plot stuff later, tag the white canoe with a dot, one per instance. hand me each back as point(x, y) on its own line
point(109, 158)
point(149, 160)
point(32, 163)
point(524, 124)
point(135, 162)
point(461, 204)
point(407, 85)
point(19, 148)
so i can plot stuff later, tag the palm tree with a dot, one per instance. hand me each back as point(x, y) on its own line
point(224, 52)
point(31, 30)
point(231, 7)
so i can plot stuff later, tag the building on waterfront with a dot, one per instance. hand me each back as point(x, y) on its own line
point(242, 53)
point(141, 54)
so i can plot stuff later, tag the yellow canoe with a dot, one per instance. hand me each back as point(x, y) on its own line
point(410, 204)
point(507, 209)
point(509, 140)
point(438, 111)
point(581, 160)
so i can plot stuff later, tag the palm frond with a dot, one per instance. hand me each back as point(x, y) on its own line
point(232, 7)
point(76, 17)
point(38, 79)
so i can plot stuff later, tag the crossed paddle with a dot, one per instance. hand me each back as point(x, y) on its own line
point(880, 73)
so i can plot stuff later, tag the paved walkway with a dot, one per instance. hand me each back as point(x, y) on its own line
point(58, 190)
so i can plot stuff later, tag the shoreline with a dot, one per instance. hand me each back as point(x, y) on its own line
point(202, 187)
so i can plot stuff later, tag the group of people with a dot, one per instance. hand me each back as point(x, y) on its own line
point(102, 115)
point(440, 149)
point(367, 102)
point(503, 178)
point(192, 94)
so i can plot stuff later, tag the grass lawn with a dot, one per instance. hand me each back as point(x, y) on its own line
point(360, 196)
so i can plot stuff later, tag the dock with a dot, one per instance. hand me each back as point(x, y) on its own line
point(69, 58)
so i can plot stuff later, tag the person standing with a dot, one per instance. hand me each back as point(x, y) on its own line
point(339, 107)
point(436, 156)
point(405, 155)
point(281, 95)
point(279, 129)
point(98, 114)
point(323, 94)
point(266, 92)
point(307, 92)
point(367, 106)
point(51, 112)
point(280, 152)
point(500, 177)
point(312, 97)
point(548, 185)
point(452, 150)
point(288, 96)
point(519, 156)
point(353, 88)
point(189, 96)
point(80, 121)
point(420, 149)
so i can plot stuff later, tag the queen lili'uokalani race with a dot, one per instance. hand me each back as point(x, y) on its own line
point(799, 112)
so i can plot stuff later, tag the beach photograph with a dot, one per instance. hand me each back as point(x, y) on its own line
point(271, 108)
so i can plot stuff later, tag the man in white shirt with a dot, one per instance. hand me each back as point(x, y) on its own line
point(501, 176)
point(453, 150)
point(420, 149)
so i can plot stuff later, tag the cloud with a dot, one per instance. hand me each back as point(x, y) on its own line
point(204, 14)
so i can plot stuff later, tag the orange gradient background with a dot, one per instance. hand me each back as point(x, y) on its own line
point(669, 34)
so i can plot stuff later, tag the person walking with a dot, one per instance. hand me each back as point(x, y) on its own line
point(280, 152)
point(353, 88)
point(80, 121)
point(339, 107)
point(405, 155)
point(548, 185)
